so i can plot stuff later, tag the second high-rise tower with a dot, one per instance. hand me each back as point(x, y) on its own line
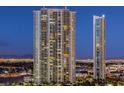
point(99, 46)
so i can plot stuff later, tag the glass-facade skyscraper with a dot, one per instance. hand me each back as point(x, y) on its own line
point(54, 45)
point(99, 46)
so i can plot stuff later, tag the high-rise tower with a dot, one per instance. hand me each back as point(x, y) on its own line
point(54, 45)
point(99, 46)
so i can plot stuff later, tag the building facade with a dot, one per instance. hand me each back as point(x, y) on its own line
point(99, 46)
point(54, 45)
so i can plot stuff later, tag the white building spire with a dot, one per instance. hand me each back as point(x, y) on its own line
point(65, 7)
point(44, 7)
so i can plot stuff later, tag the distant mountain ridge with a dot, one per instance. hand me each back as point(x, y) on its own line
point(16, 56)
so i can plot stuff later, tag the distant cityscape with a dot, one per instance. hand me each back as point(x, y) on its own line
point(21, 70)
point(54, 61)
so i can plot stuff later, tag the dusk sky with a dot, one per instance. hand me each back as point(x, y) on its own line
point(16, 30)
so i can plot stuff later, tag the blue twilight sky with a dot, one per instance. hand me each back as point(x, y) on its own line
point(16, 30)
